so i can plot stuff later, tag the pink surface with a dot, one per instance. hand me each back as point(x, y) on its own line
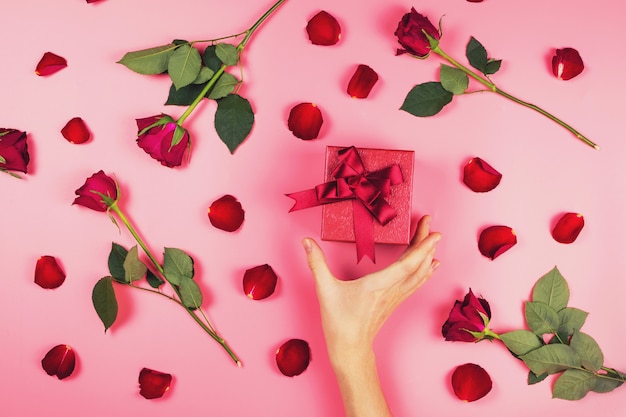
point(546, 172)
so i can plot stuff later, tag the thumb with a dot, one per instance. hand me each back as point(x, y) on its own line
point(316, 260)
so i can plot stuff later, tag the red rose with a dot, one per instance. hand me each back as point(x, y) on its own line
point(467, 321)
point(163, 139)
point(410, 33)
point(99, 192)
point(13, 150)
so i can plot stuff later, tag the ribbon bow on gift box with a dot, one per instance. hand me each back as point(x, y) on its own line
point(367, 190)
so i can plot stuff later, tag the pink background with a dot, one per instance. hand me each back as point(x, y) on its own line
point(545, 172)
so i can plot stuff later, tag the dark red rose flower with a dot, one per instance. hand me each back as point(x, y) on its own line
point(163, 139)
point(495, 240)
point(410, 34)
point(305, 121)
point(470, 382)
point(59, 361)
point(362, 82)
point(76, 131)
point(91, 193)
point(48, 273)
point(323, 29)
point(568, 227)
point(293, 357)
point(50, 63)
point(259, 282)
point(567, 63)
point(153, 384)
point(479, 176)
point(467, 319)
point(226, 213)
point(13, 150)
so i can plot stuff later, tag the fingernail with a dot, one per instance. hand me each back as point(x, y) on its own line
point(436, 264)
point(306, 243)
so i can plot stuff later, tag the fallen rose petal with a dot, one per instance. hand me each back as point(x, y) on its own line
point(479, 176)
point(259, 282)
point(470, 382)
point(362, 82)
point(76, 131)
point(567, 63)
point(153, 384)
point(495, 240)
point(59, 361)
point(305, 121)
point(293, 357)
point(323, 29)
point(48, 273)
point(50, 63)
point(226, 213)
point(568, 227)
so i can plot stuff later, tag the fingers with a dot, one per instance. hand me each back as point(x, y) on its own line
point(423, 227)
point(418, 258)
point(317, 261)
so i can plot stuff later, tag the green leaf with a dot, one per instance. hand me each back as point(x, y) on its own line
point(493, 66)
point(224, 86)
point(541, 318)
point(573, 385)
point(453, 79)
point(104, 301)
point(477, 56)
point(190, 294)
point(551, 359)
point(117, 256)
point(535, 379)
point(177, 266)
point(149, 61)
point(204, 75)
point(552, 289)
point(520, 342)
point(2, 160)
point(426, 99)
point(227, 53)
point(571, 319)
point(588, 349)
point(183, 96)
point(184, 65)
point(233, 120)
point(134, 269)
point(210, 58)
point(154, 280)
point(608, 382)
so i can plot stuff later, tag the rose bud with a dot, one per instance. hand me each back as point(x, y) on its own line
point(362, 82)
point(567, 63)
point(323, 29)
point(50, 63)
point(568, 227)
point(470, 382)
point(305, 121)
point(468, 320)
point(495, 240)
point(76, 131)
point(59, 361)
point(259, 282)
point(226, 213)
point(293, 357)
point(163, 139)
point(48, 273)
point(13, 150)
point(153, 384)
point(410, 34)
point(479, 176)
point(99, 192)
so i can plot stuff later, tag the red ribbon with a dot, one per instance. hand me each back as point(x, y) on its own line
point(367, 190)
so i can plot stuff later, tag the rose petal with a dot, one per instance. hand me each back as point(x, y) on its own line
point(49, 64)
point(479, 176)
point(305, 121)
point(568, 227)
point(226, 213)
point(567, 63)
point(470, 382)
point(259, 282)
point(14, 150)
point(59, 361)
point(153, 384)
point(323, 29)
point(76, 131)
point(495, 240)
point(362, 82)
point(293, 357)
point(48, 273)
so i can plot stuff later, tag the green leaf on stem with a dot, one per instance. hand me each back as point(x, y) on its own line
point(552, 289)
point(453, 79)
point(117, 256)
point(184, 65)
point(154, 280)
point(227, 53)
point(104, 301)
point(477, 56)
point(571, 319)
point(149, 61)
point(233, 120)
point(210, 58)
point(190, 294)
point(183, 96)
point(426, 99)
point(587, 348)
point(177, 266)
point(541, 318)
point(535, 379)
point(223, 86)
point(607, 382)
point(551, 359)
point(134, 269)
point(573, 385)
point(520, 342)
point(204, 75)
